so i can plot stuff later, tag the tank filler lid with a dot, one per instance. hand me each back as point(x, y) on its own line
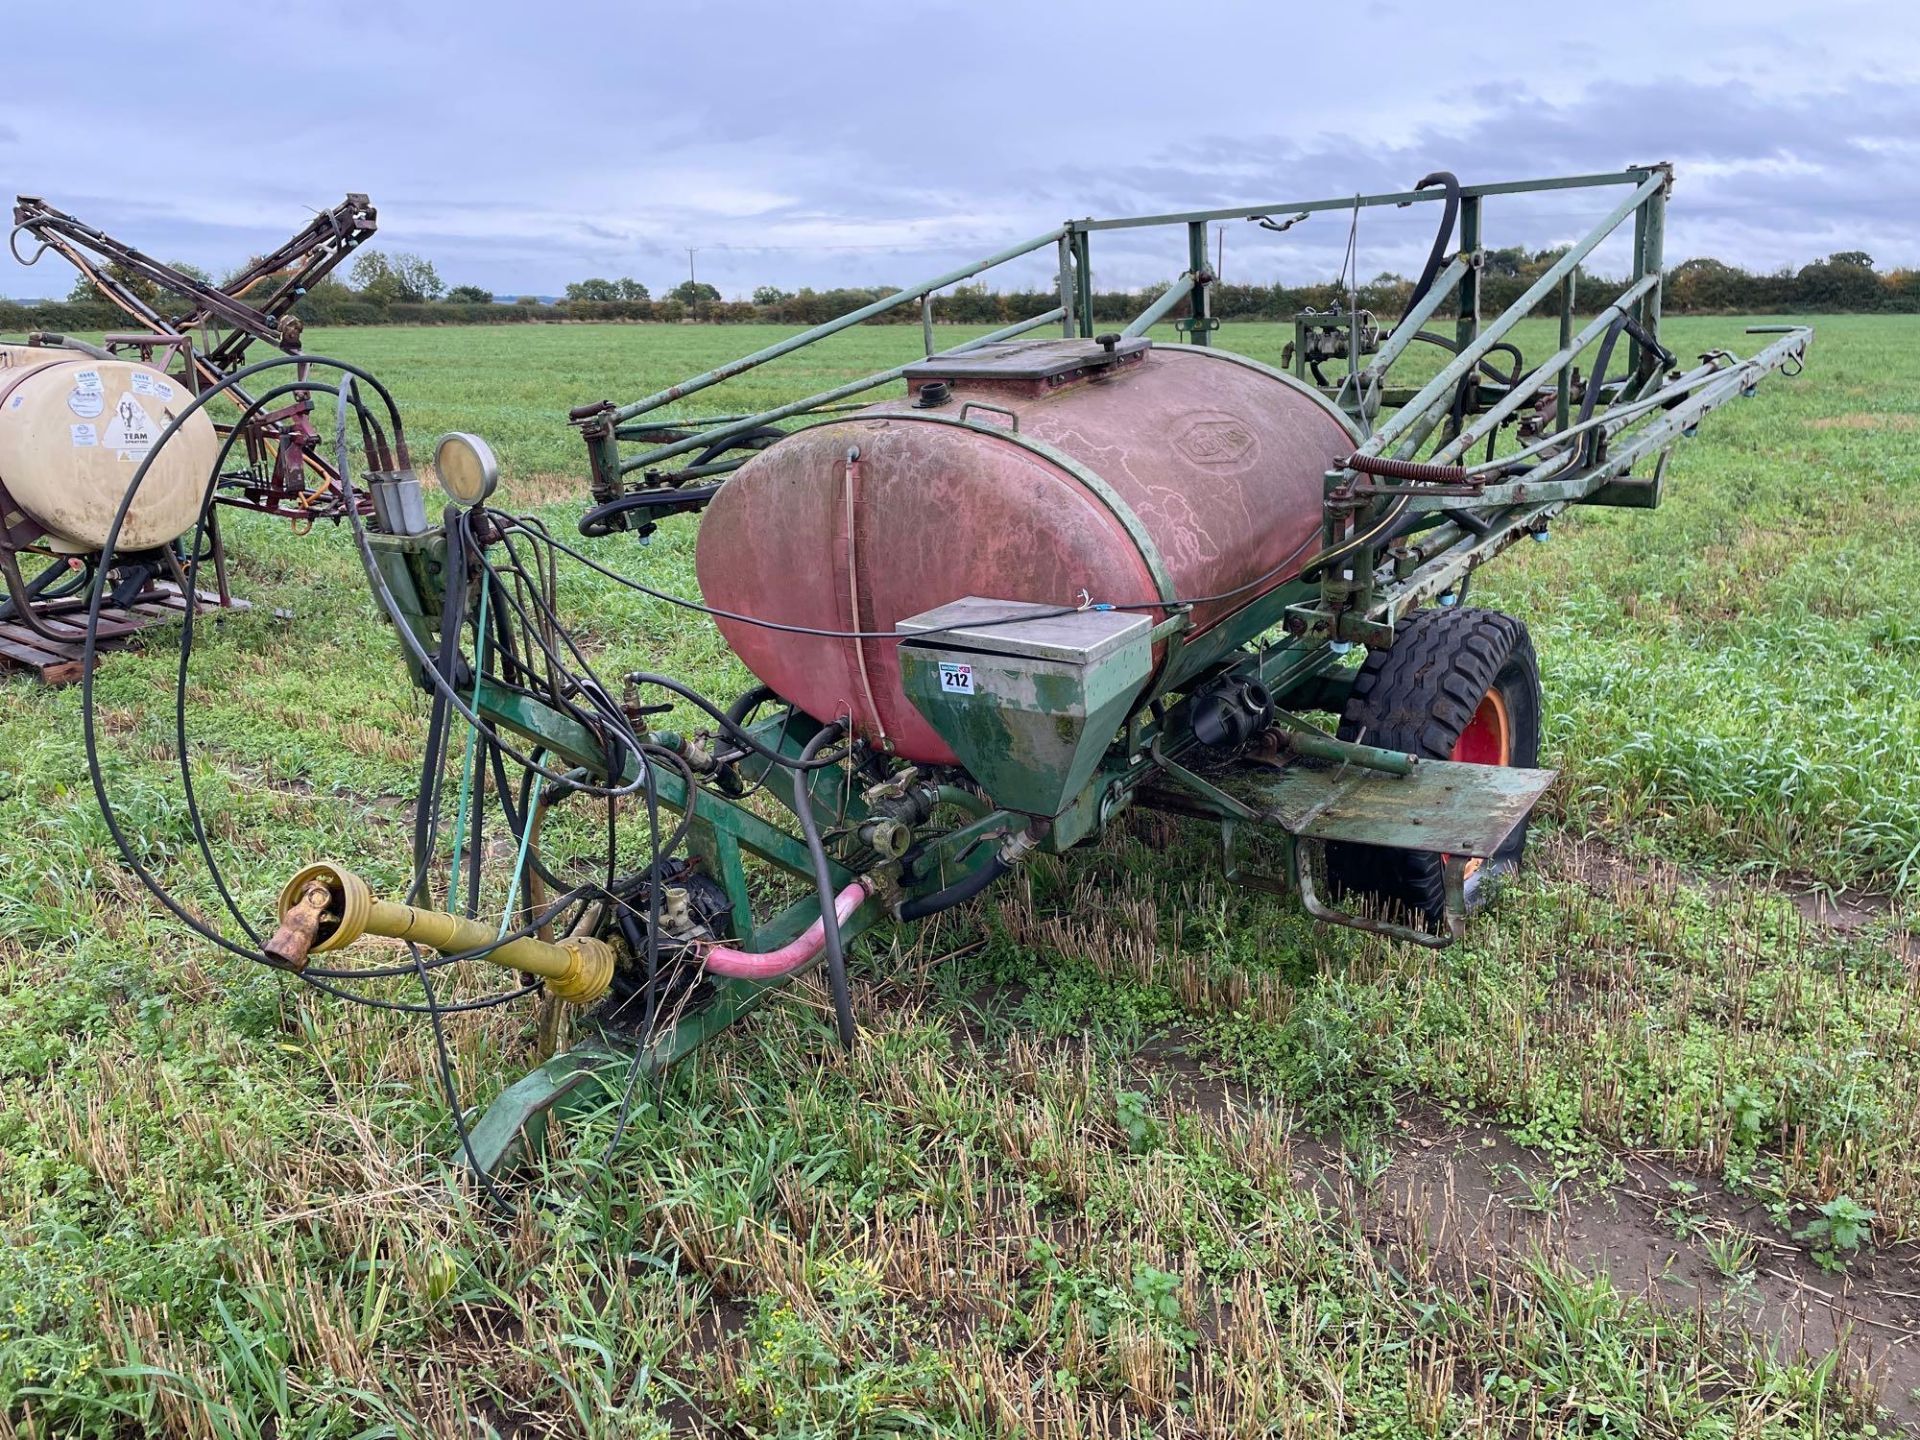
point(1079, 639)
point(1026, 359)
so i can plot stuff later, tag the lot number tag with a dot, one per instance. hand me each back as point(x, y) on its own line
point(955, 679)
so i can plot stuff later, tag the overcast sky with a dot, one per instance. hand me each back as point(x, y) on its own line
point(522, 145)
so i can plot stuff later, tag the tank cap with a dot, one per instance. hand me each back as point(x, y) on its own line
point(933, 394)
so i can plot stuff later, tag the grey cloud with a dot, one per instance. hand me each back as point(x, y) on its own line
point(873, 142)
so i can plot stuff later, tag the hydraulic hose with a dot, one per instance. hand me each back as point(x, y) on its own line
point(747, 702)
point(823, 880)
point(1449, 215)
point(796, 954)
point(53, 340)
point(957, 893)
point(1623, 323)
point(1486, 366)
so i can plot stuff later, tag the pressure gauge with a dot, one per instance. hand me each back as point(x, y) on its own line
point(466, 467)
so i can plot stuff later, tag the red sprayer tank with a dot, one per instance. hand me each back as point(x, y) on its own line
point(1114, 459)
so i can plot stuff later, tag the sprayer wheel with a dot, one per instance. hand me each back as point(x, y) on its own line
point(1455, 685)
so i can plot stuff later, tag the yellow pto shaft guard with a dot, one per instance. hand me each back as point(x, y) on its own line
point(328, 907)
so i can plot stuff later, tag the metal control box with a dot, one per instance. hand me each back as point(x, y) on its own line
point(1029, 704)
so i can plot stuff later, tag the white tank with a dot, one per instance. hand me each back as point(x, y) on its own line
point(73, 430)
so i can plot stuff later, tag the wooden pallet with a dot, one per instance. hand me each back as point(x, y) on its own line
point(60, 662)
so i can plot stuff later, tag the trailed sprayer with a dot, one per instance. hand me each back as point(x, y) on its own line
point(77, 417)
point(1046, 576)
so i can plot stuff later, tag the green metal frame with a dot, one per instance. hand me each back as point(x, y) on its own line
point(723, 834)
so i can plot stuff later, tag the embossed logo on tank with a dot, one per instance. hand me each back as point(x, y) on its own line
point(1217, 441)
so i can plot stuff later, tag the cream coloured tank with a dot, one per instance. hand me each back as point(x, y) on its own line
point(74, 429)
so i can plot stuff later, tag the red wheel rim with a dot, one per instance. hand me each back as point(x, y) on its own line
point(1487, 740)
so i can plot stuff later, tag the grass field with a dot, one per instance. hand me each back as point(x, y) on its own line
point(1122, 1149)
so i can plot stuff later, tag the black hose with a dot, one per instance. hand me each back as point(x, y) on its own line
point(758, 439)
point(598, 522)
point(747, 702)
point(56, 582)
point(732, 729)
point(1597, 381)
point(957, 893)
point(1450, 214)
point(823, 880)
point(1485, 366)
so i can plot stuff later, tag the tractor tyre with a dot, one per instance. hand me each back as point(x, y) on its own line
point(1455, 684)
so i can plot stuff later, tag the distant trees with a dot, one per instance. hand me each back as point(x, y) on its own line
point(1704, 284)
point(973, 304)
point(400, 286)
point(327, 302)
point(1842, 281)
point(401, 276)
point(597, 291)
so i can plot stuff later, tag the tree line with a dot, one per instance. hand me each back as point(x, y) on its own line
point(403, 288)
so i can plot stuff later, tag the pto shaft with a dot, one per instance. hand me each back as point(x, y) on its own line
point(327, 907)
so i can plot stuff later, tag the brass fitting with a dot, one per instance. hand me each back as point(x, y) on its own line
point(327, 907)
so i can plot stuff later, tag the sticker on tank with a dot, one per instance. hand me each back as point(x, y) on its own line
point(131, 431)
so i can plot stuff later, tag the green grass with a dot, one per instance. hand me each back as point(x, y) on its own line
point(227, 1205)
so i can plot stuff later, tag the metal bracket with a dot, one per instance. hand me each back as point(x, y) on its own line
point(516, 1123)
point(1207, 791)
point(1305, 856)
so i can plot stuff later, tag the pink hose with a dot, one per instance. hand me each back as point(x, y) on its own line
point(794, 955)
